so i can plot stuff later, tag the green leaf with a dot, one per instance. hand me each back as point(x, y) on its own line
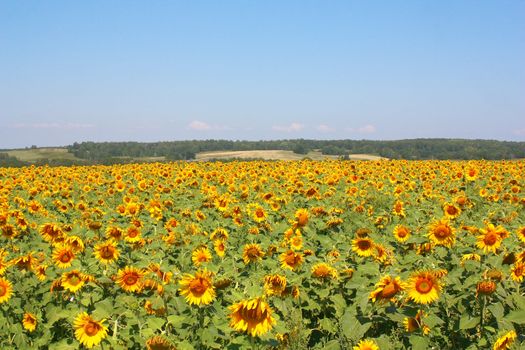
point(467, 322)
point(418, 342)
point(156, 323)
point(176, 320)
point(496, 310)
point(516, 316)
point(103, 309)
point(332, 345)
point(328, 325)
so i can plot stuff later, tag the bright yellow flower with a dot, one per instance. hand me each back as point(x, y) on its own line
point(88, 331)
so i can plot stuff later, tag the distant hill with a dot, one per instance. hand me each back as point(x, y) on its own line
point(125, 152)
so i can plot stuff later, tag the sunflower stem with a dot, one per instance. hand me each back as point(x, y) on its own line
point(482, 314)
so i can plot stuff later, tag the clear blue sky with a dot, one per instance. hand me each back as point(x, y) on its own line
point(170, 70)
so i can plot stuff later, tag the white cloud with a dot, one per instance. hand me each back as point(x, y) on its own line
point(67, 126)
point(325, 128)
point(289, 128)
point(365, 129)
point(519, 132)
point(198, 125)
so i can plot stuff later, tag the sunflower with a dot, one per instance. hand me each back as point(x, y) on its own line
point(252, 253)
point(441, 233)
point(133, 234)
point(291, 260)
point(451, 211)
point(296, 242)
point(518, 272)
point(301, 217)
point(88, 331)
point(363, 246)
point(219, 246)
point(423, 287)
point(201, 255)
point(485, 287)
point(258, 214)
point(414, 323)
point(365, 344)
point(198, 289)
point(274, 284)
point(72, 280)
point(4, 264)
point(471, 257)
point(253, 316)
point(324, 271)
point(129, 279)
point(386, 289)
point(401, 233)
point(113, 232)
point(6, 290)
point(29, 321)
point(505, 341)
point(489, 241)
point(159, 343)
point(51, 232)
point(520, 232)
point(63, 256)
point(106, 252)
point(399, 209)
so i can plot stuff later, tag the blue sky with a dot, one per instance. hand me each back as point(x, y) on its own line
point(171, 70)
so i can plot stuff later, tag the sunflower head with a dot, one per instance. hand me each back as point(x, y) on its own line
point(387, 289)
point(29, 322)
point(366, 344)
point(198, 289)
point(363, 246)
point(88, 331)
point(441, 233)
point(6, 290)
point(324, 271)
point(252, 253)
point(253, 316)
point(423, 287)
point(130, 279)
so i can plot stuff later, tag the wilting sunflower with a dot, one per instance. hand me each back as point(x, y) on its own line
point(291, 260)
point(366, 344)
point(88, 331)
point(518, 272)
point(324, 271)
point(201, 255)
point(485, 287)
point(363, 246)
point(72, 280)
point(274, 284)
point(451, 211)
point(412, 324)
point(505, 341)
point(29, 321)
point(129, 279)
point(471, 257)
point(387, 289)
point(253, 316)
point(63, 256)
point(106, 252)
point(252, 253)
point(6, 290)
point(423, 287)
point(401, 233)
point(159, 343)
point(301, 217)
point(520, 232)
point(198, 289)
point(441, 233)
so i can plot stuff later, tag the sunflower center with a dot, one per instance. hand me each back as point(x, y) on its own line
point(91, 328)
point(364, 245)
point(133, 234)
point(130, 279)
point(74, 280)
point(490, 238)
point(66, 257)
point(424, 286)
point(259, 213)
point(452, 210)
point(3, 290)
point(389, 291)
point(402, 233)
point(255, 315)
point(252, 253)
point(107, 252)
point(292, 259)
point(199, 286)
point(442, 231)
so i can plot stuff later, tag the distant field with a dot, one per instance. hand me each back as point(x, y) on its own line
point(33, 155)
point(262, 154)
point(276, 155)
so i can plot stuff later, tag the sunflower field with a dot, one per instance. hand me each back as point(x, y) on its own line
point(264, 255)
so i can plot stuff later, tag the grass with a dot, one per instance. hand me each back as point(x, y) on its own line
point(36, 154)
